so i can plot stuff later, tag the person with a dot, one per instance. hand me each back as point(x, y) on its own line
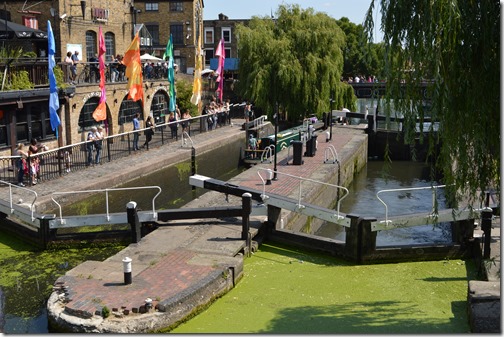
point(34, 161)
point(90, 144)
point(69, 64)
point(149, 67)
point(94, 75)
point(121, 68)
point(248, 111)
point(136, 128)
point(252, 145)
point(114, 69)
point(173, 125)
point(186, 122)
point(75, 60)
point(21, 163)
point(149, 131)
point(98, 143)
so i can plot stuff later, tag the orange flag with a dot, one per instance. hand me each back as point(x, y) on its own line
point(134, 70)
point(100, 113)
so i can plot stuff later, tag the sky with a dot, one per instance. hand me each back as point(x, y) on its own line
point(354, 10)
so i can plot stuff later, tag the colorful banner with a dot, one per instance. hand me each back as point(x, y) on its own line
point(196, 95)
point(221, 53)
point(134, 70)
point(100, 112)
point(53, 89)
point(171, 74)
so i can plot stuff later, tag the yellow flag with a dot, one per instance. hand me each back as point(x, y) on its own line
point(196, 96)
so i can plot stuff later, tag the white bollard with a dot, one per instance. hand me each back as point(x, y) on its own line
point(127, 270)
point(269, 174)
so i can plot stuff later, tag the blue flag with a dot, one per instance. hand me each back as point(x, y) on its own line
point(53, 89)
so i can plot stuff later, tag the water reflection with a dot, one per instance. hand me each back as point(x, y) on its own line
point(402, 174)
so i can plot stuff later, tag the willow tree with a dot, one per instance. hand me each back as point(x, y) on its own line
point(453, 48)
point(294, 60)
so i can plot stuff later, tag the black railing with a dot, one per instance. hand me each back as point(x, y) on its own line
point(55, 163)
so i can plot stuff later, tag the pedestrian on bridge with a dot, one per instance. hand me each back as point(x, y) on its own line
point(21, 163)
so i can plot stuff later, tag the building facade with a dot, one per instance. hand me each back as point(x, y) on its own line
point(75, 24)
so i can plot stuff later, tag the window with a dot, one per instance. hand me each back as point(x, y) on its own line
point(33, 122)
point(177, 32)
point(226, 34)
point(86, 120)
point(176, 6)
point(227, 52)
point(90, 44)
point(110, 45)
point(209, 54)
point(4, 138)
point(159, 107)
point(209, 36)
point(154, 32)
point(151, 6)
point(128, 110)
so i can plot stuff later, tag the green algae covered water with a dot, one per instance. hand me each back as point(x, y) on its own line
point(286, 290)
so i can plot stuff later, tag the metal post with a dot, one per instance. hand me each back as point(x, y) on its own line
point(276, 143)
point(486, 227)
point(330, 118)
point(193, 163)
point(132, 216)
point(246, 209)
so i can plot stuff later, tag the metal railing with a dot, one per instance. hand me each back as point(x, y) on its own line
point(54, 163)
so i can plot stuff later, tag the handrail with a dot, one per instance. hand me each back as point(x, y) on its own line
point(259, 121)
point(32, 206)
point(330, 148)
point(154, 213)
point(267, 153)
point(300, 206)
point(184, 142)
point(434, 188)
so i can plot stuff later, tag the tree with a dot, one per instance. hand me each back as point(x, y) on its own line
point(295, 60)
point(453, 47)
point(355, 62)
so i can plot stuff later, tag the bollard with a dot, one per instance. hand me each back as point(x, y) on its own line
point(127, 270)
point(246, 209)
point(269, 174)
point(486, 227)
point(327, 136)
point(132, 216)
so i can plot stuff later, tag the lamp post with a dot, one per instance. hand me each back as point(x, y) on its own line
point(331, 101)
point(276, 142)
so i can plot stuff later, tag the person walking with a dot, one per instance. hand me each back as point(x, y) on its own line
point(149, 131)
point(173, 124)
point(136, 128)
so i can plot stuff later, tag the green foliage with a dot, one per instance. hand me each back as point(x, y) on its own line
point(20, 81)
point(184, 93)
point(105, 311)
point(452, 47)
point(295, 60)
point(60, 82)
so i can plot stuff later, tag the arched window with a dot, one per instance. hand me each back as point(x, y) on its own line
point(86, 120)
point(159, 107)
point(110, 45)
point(128, 110)
point(91, 44)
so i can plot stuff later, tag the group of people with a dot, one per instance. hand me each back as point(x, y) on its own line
point(218, 113)
point(150, 128)
point(72, 60)
point(184, 121)
point(114, 63)
point(94, 143)
point(27, 164)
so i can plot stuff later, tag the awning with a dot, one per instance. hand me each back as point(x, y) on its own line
point(10, 30)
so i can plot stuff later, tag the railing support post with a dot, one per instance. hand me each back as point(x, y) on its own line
point(486, 227)
point(360, 240)
point(134, 222)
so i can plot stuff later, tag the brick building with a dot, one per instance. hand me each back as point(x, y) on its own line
point(75, 24)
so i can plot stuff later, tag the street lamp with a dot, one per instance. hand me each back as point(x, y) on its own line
point(276, 142)
point(331, 101)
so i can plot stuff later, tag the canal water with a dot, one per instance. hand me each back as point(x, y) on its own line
point(362, 200)
point(27, 275)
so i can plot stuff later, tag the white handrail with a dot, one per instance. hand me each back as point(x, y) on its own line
point(11, 203)
point(434, 189)
point(106, 190)
point(330, 148)
point(267, 153)
point(300, 206)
